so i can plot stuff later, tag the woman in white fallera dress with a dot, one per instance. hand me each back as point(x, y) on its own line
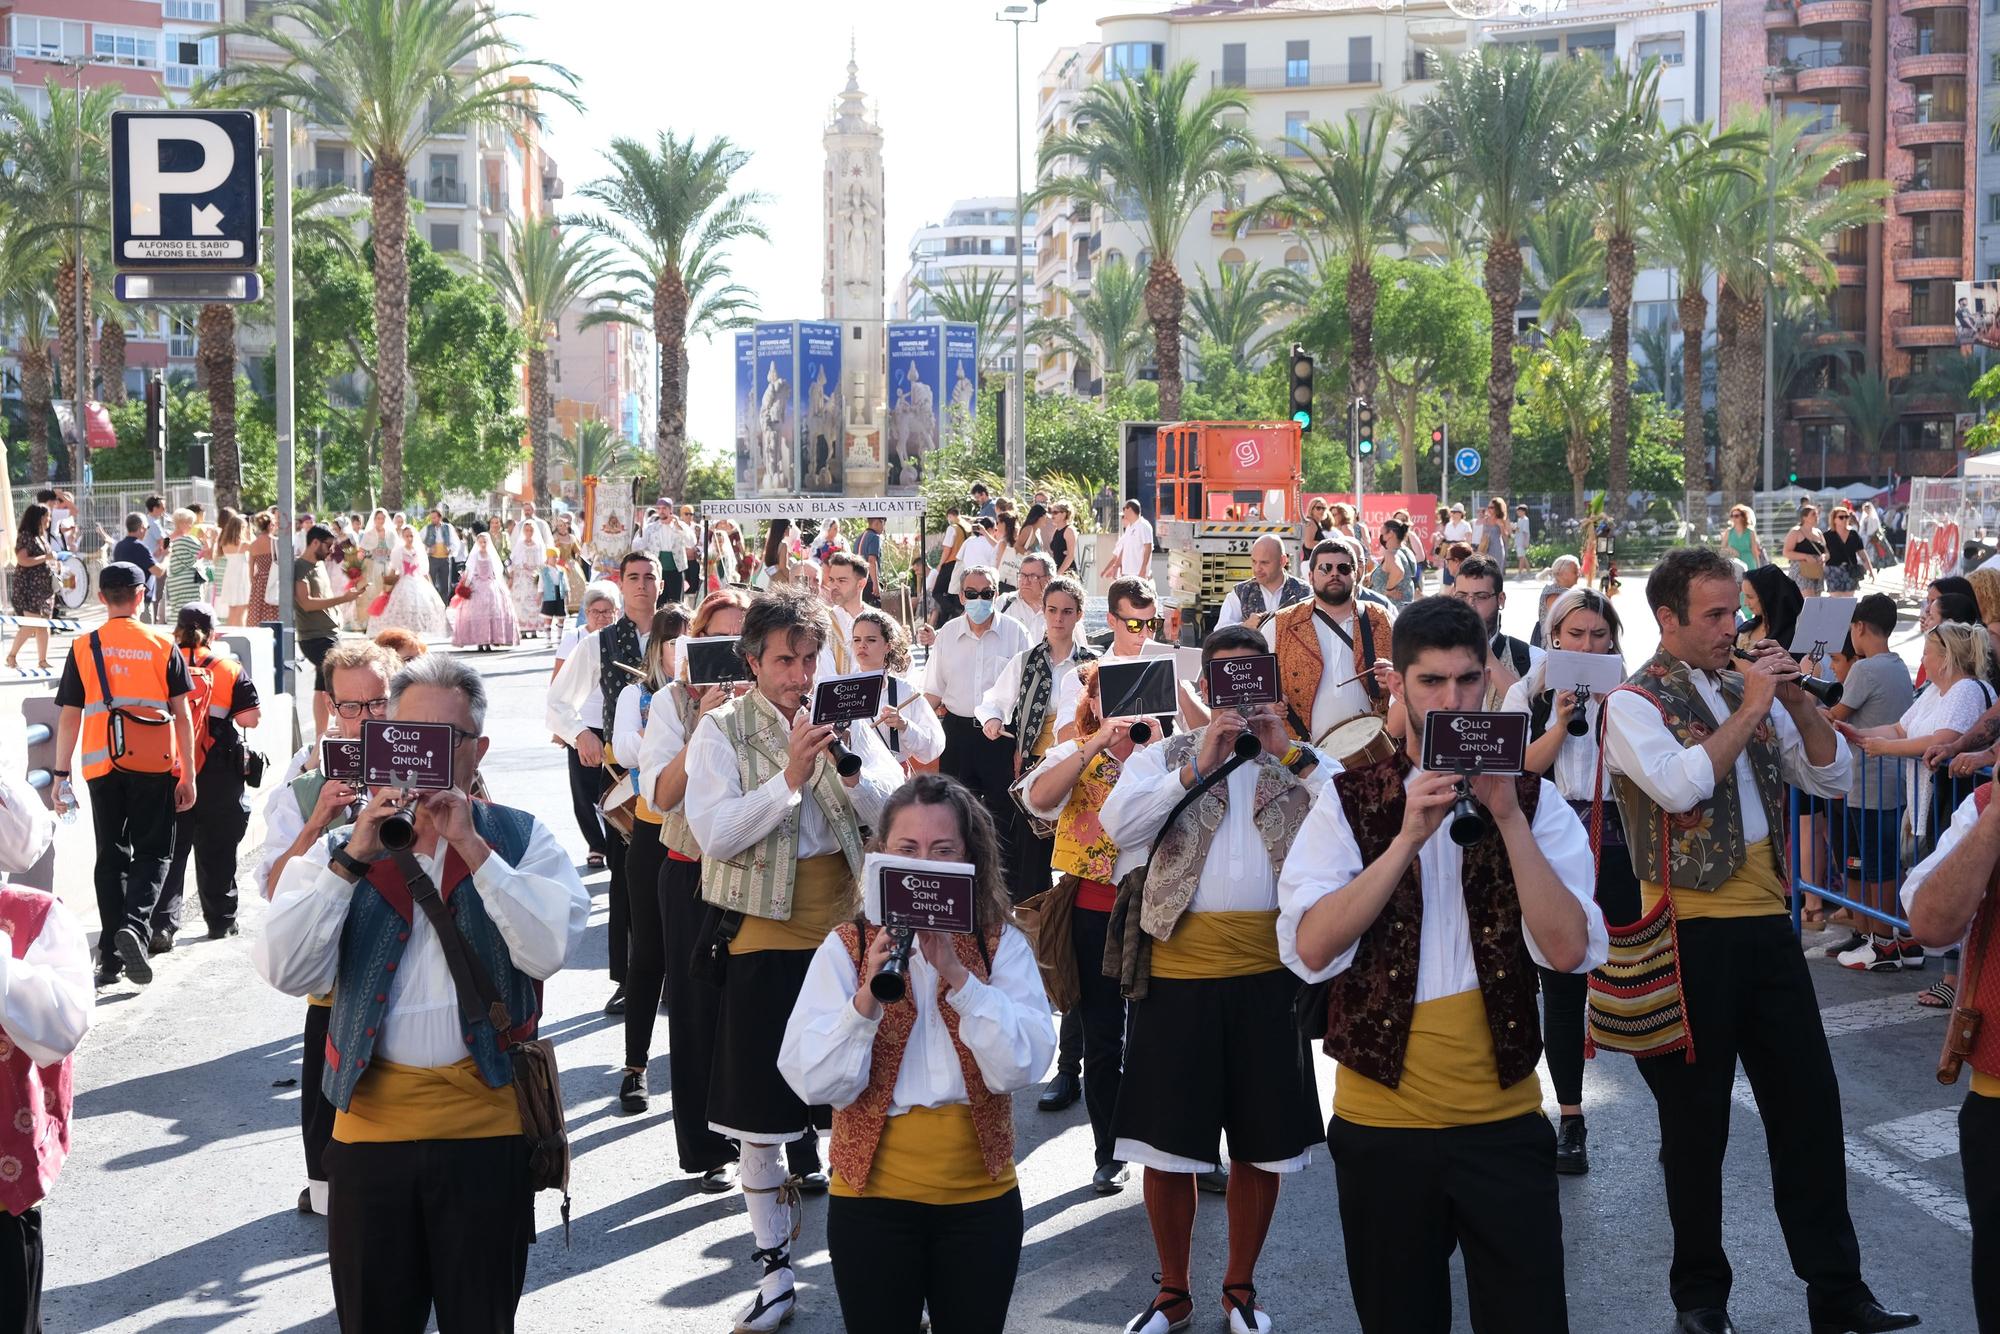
point(413, 604)
point(524, 583)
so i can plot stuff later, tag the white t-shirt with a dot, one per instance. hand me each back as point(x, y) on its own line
point(978, 550)
point(1955, 710)
point(1458, 530)
point(1134, 546)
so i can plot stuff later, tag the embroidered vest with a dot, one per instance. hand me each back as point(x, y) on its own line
point(1370, 1006)
point(1282, 804)
point(1703, 846)
point(371, 947)
point(1300, 667)
point(34, 1099)
point(674, 829)
point(1082, 848)
point(617, 642)
point(1250, 594)
point(1031, 705)
point(857, 1128)
point(758, 880)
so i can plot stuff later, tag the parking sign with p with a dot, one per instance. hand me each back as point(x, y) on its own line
point(185, 189)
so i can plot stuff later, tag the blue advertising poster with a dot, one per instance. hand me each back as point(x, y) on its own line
point(775, 424)
point(961, 378)
point(746, 407)
point(820, 414)
point(916, 399)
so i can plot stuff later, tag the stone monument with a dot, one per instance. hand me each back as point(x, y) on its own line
point(855, 286)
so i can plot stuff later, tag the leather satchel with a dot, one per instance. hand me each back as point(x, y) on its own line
point(537, 1081)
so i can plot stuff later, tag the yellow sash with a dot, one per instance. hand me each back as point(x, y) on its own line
point(1450, 1077)
point(929, 1155)
point(396, 1103)
point(1986, 1086)
point(1219, 944)
point(1756, 890)
point(823, 896)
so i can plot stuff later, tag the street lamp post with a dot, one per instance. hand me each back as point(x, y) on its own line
point(1017, 405)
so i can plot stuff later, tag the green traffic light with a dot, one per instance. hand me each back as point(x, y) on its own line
point(1302, 417)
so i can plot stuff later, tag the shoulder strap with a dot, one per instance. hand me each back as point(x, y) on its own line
point(1193, 794)
point(476, 992)
point(97, 656)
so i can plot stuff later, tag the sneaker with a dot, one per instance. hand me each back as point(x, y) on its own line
point(1854, 941)
point(132, 953)
point(1909, 952)
point(1871, 959)
point(162, 942)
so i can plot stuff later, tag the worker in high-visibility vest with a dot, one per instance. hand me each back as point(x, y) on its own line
point(223, 700)
point(124, 691)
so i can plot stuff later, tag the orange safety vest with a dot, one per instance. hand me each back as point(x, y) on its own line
point(135, 659)
point(214, 678)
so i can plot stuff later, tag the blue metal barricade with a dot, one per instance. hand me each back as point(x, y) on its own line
point(1854, 852)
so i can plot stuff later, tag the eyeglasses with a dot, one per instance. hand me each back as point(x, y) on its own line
point(1334, 569)
point(354, 708)
point(977, 595)
point(460, 736)
point(1137, 626)
point(1476, 598)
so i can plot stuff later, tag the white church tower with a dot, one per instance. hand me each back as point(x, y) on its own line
point(855, 286)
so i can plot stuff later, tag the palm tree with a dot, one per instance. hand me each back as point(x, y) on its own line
point(1571, 378)
point(27, 261)
point(1146, 155)
point(1510, 125)
point(392, 74)
point(1787, 195)
point(541, 273)
point(983, 300)
point(674, 213)
point(1568, 260)
point(1233, 314)
point(1113, 322)
point(215, 348)
point(594, 451)
point(1871, 408)
point(1627, 148)
point(41, 187)
point(1351, 182)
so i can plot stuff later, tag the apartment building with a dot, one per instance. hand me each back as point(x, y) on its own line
point(1065, 236)
point(1892, 79)
point(605, 373)
point(973, 245)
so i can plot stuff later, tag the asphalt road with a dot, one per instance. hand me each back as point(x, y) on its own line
point(176, 1210)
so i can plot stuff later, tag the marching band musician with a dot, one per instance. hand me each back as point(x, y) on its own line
point(781, 836)
point(1437, 1135)
point(1269, 589)
point(1135, 616)
point(925, 1213)
point(1209, 996)
point(1578, 621)
point(1701, 759)
point(1329, 647)
point(907, 725)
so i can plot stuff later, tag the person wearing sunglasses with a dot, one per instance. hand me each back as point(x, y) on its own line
point(1135, 619)
point(1332, 648)
point(968, 654)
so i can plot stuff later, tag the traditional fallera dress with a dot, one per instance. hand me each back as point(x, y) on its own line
point(414, 604)
point(486, 617)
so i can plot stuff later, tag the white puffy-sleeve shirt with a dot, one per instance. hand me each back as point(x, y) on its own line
point(26, 826)
point(46, 995)
point(1325, 860)
point(1004, 1022)
point(726, 819)
point(663, 739)
point(923, 739)
point(539, 907)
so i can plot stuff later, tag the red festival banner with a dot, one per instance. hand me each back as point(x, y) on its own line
point(1377, 507)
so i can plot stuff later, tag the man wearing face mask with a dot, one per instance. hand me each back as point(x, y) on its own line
point(1330, 648)
point(968, 655)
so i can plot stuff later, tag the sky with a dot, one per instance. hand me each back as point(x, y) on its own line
point(766, 74)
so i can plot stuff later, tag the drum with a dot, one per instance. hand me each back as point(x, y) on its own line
point(72, 580)
point(1357, 742)
point(620, 803)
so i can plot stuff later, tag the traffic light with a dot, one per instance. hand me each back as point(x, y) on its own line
point(156, 413)
point(1364, 427)
point(1437, 441)
point(1302, 387)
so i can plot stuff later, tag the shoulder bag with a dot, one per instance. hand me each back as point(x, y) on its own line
point(537, 1082)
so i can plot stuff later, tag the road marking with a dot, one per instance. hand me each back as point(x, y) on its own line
point(1945, 1205)
point(1881, 1012)
point(1920, 1138)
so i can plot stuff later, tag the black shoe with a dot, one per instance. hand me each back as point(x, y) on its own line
point(632, 1095)
point(162, 942)
point(132, 953)
point(1865, 1317)
point(1110, 1178)
point(219, 932)
point(105, 977)
point(1704, 1320)
point(1062, 1091)
point(1215, 1181)
point(718, 1180)
point(813, 1183)
point(1572, 1159)
point(616, 1005)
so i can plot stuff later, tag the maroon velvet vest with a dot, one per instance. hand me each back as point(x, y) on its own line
point(1369, 1007)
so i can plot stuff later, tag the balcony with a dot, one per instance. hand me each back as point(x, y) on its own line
point(1797, 408)
point(1264, 224)
point(1911, 202)
point(1911, 266)
point(1828, 340)
point(1422, 66)
point(1341, 74)
point(1922, 327)
point(552, 186)
point(444, 192)
point(492, 200)
point(1781, 15)
point(1815, 13)
point(183, 77)
point(1923, 6)
point(1850, 275)
point(1832, 77)
point(1932, 127)
point(324, 179)
point(1930, 65)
